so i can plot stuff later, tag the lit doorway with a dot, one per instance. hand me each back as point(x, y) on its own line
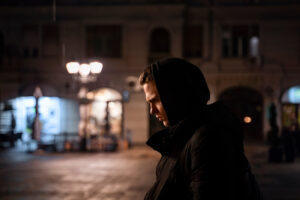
point(291, 109)
point(106, 109)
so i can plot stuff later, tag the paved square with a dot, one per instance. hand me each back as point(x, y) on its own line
point(124, 175)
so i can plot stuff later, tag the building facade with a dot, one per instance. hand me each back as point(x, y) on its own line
point(249, 51)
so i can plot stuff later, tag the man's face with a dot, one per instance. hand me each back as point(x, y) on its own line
point(156, 107)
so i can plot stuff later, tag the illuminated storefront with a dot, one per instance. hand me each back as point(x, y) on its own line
point(97, 117)
point(57, 116)
point(291, 108)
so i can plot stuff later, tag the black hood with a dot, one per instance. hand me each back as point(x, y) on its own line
point(171, 140)
point(181, 86)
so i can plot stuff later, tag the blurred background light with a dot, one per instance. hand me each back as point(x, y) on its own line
point(73, 67)
point(84, 69)
point(96, 67)
point(247, 119)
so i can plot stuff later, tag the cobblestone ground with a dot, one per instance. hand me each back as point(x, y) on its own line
point(279, 181)
point(125, 175)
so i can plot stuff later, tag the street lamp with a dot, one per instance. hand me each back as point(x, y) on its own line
point(84, 73)
point(36, 129)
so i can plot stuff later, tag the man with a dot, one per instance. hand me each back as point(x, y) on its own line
point(202, 145)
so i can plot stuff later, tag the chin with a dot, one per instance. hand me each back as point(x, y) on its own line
point(166, 124)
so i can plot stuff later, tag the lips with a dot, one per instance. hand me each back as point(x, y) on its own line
point(159, 118)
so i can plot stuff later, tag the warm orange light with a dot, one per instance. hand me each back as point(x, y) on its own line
point(247, 119)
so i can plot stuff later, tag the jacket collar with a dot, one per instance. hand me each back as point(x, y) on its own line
point(170, 141)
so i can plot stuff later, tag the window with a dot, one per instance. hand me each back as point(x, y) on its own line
point(254, 44)
point(103, 41)
point(1, 46)
point(160, 41)
point(50, 39)
point(192, 41)
point(30, 41)
point(159, 44)
point(240, 41)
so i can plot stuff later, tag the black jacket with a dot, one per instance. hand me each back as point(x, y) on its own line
point(202, 151)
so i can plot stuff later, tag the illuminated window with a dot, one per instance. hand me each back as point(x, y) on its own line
point(240, 41)
point(288, 115)
point(254, 44)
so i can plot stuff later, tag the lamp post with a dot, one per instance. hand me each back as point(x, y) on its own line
point(36, 129)
point(84, 73)
point(34, 143)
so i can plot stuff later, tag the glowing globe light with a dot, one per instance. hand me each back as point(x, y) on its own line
point(84, 72)
point(73, 67)
point(84, 69)
point(96, 67)
point(247, 119)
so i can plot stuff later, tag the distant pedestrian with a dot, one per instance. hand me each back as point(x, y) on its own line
point(202, 145)
point(128, 138)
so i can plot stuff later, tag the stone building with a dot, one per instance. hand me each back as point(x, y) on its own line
point(249, 51)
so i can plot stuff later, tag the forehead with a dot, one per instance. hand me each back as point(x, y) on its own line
point(150, 90)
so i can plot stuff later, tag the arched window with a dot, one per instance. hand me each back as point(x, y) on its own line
point(291, 109)
point(105, 112)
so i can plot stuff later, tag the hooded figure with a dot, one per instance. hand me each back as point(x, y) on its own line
point(202, 145)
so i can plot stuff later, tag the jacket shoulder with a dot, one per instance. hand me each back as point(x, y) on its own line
point(199, 137)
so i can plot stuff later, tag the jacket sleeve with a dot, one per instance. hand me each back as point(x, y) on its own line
point(199, 165)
